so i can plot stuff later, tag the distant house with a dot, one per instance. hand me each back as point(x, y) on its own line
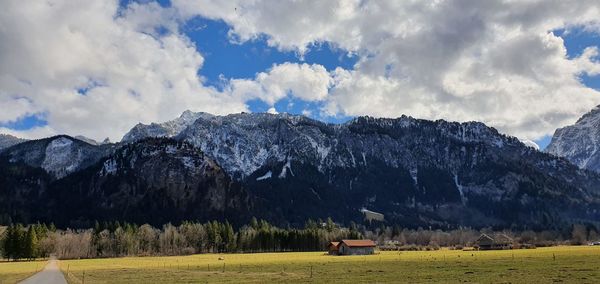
point(333, 248)
point(372, 215)
point(353, 247)
point(497, 241)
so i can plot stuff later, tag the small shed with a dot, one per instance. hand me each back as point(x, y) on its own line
point(333, 248)
point(356, 247)
point(497, 241)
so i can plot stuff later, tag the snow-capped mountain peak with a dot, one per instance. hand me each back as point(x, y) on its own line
point(7, 140)
point(580, 142)
point(165, 129)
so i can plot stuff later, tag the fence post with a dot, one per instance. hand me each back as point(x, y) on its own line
point(83, 278)
point(223, 267)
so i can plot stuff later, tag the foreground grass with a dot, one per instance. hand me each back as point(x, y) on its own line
point(14, 271)
point(542, 265)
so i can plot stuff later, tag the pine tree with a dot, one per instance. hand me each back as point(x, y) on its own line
point(18, 241)
point(254, 223)
point(228, 237)
point(330, 224)
point(30, 244)
point(13, 248)
point(7, 243)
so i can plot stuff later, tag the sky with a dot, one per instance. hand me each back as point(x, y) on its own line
point(97, 68)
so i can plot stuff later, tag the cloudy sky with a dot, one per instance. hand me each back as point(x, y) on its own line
point(96, 68)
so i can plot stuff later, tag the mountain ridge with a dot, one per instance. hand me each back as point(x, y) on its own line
point(289, 168)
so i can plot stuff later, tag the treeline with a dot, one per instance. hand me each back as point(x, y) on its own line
point(26, 243)
point(394, 236)
point(114, 239)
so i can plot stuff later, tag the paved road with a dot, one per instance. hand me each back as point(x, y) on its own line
point(50, 275)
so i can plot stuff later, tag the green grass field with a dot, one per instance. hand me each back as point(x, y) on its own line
point(11, 272)
point(542, 265)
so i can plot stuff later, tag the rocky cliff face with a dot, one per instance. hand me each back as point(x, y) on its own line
point(579, 143)
point(152, 180)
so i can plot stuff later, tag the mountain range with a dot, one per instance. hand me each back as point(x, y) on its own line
point(287, 168)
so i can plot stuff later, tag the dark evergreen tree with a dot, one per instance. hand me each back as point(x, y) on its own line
point(30, 244)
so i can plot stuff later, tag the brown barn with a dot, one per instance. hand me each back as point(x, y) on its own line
point(356, 247)
point(333, 248)
point(498, 241)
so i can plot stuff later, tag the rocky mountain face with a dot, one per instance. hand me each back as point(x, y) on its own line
point(8, 141)
point(416, 172)
point(59, 155)
point(165, 129)
point(152, 180)
point(289, 168)
point(579, 143)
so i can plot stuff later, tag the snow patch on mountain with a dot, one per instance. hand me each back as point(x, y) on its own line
point(287, 167)
point(531, 144)
point(460, 189)
point(265, 176)
point(109, 167)
point(61, 157)
point(188, 162)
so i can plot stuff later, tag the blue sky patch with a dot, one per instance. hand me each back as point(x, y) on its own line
point(224, 59)
point(27, 122)
point(576, 40)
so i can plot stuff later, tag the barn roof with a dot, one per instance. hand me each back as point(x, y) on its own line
point(484, 237)
point(497, 238)
point(335, 244)
point(502, 238)
point(358, 243)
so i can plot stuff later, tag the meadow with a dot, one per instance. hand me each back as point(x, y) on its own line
point(567, 264)
point(14, 271)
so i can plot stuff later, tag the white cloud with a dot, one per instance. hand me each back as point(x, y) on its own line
point(588, 61)
point(133, 71)
point(291, 24)
point(303, 81)
point(32, 133)
point(492, 61)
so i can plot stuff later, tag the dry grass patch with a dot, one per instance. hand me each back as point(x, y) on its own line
point(543, 265)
